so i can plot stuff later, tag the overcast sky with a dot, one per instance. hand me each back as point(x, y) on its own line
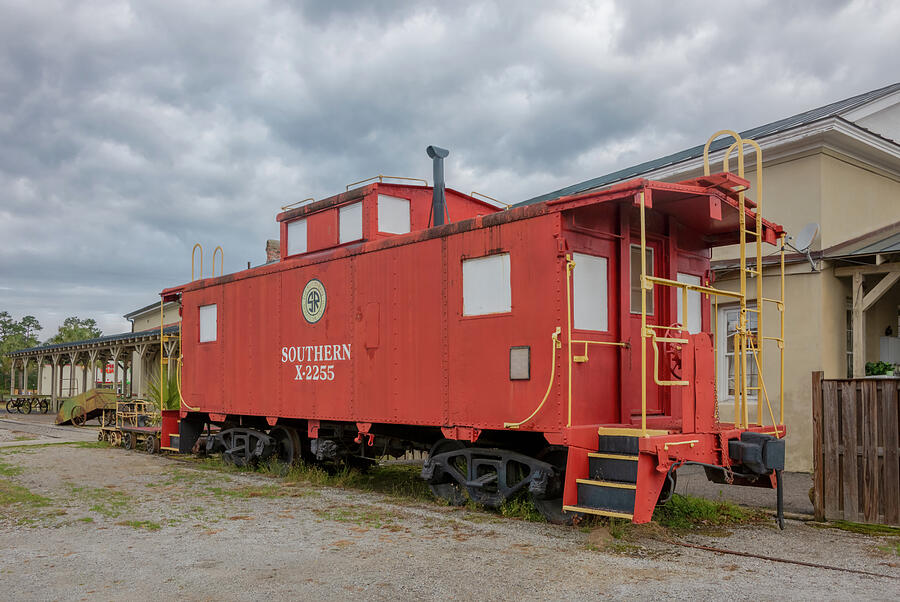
point(130, 131)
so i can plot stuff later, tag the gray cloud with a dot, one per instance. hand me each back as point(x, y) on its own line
point(129, 131)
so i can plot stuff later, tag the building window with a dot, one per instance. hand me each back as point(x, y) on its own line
point(393, 214)
point(590, 292)
point(636, 280)
point(350, 227)
point(694, 310)
point(208, 323)
point(296, 237)
point(727, 326)
point(486, 285)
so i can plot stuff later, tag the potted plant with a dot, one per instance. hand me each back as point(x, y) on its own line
point(880, 369)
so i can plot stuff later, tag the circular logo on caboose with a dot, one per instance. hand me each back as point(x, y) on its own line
point(312, 301)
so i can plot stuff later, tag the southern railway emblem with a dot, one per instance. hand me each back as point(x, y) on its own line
point(312, 301)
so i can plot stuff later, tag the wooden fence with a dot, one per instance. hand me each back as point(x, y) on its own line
point(855, 447)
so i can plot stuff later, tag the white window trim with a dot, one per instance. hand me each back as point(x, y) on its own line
point(598, 302)
point(293, 229)
point(393, 214)
point(204, 338)
point(694, 299)
point(500, 301)
point(652, 267)
point(345, 211)
point(722, 361)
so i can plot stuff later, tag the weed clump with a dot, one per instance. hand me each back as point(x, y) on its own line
point(686, 513)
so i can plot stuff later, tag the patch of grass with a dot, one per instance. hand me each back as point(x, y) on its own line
point(103, 500)
point(84, 519)
point(12, 494)
point(91, 444)
point(141, 524)
point(686, 513)
point(265, 491)
point(892, 548)
point(398, 480)
point(521, 507)
point(861, 528)
point(364, 516)
point(24, 438)
point(9, 470)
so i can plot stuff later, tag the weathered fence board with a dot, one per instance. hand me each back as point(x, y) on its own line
point(857, 460)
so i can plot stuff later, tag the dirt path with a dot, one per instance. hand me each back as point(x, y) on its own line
point(87, 522)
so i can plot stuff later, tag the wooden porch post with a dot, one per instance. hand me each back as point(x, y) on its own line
point(858, 326)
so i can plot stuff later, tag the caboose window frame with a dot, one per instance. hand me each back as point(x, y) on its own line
point(350, 223)
point(636, 290)
point(590, 305)
point(297, 234)
point(208, 323)
point(488, 295)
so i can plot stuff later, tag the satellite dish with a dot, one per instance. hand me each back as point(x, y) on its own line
point(803, 241)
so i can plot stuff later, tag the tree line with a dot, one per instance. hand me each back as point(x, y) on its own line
point(23, 334)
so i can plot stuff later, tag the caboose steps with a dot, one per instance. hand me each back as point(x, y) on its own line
point(611, 485)
point(598, 512)
point(613, 467)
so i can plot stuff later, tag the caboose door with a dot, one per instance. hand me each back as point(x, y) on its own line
point(656, 315)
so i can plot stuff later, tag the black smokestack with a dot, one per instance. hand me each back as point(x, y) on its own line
point(438, 199)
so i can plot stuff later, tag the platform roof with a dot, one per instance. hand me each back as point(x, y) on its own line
point(104, 342)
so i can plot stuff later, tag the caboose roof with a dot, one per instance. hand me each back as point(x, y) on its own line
point(708, 205)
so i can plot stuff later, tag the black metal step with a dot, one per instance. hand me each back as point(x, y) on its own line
point(606, 495)
point(621, 468)
point(618, 444)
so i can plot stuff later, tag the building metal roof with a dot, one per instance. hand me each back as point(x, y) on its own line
point(801, 119)
point(107, 340)
point(890, 244)
point(144, 310)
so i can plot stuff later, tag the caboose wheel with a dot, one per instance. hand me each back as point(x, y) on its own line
point(550, 505)
point(450, 491)
point(151, 445)
point(287, 444)
point(128, 440)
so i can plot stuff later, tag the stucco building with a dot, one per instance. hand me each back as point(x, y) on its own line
point(837, 166)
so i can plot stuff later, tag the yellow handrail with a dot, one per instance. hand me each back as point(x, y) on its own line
point(221, 255)
point(570, 267)
point(381, 178)
point(580, 359)
point(296, 203)
point(193, 251)
point(556, 345)
point(473, 193)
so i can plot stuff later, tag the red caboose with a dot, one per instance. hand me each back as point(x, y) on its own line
point(561, 348)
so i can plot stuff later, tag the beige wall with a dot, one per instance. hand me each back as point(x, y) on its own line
point(855, 200)
point(791, 196)
point(150, 320)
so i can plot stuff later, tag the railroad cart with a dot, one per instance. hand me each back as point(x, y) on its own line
point(565, 348)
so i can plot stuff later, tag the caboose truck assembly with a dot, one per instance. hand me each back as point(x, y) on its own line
point(565, 349)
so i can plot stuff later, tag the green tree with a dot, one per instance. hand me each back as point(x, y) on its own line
point(15, 335)
point(75, 329)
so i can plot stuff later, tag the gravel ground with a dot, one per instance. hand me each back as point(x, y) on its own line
point(121, 524)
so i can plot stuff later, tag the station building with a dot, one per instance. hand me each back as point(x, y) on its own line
point(838, 167)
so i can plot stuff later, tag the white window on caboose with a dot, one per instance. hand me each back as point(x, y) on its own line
point(486, 285)
point(350, 226)
point(636, 279)
point(208, 323)
point(694, 315)
point(590, 292)
point(393, 214)
point(296, 237)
